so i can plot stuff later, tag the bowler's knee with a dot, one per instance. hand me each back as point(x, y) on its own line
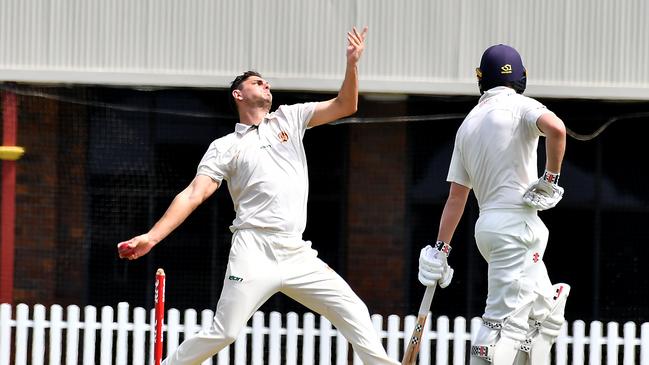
point(220, 335)
point(226, 335)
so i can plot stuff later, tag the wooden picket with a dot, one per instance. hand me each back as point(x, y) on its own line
point(56, 335)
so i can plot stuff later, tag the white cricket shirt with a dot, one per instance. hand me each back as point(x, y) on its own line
point(495, 148)
point(266, 170)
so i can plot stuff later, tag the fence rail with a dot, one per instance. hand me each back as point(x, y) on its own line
point(274, 339)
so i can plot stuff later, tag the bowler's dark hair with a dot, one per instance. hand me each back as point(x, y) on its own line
point(236, 83)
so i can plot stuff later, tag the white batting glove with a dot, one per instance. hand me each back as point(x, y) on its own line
point(433, 265)
point(545, 193)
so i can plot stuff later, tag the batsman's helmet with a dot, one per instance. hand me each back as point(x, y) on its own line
point(501, 65)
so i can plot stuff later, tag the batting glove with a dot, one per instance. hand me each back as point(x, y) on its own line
point(433, 265)
point(545, 193)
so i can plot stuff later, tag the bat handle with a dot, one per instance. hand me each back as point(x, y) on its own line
point(427, 300)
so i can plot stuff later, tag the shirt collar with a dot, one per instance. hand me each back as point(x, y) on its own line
point(498, 90)
point(242, 129)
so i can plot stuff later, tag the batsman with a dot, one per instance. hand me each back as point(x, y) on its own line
point(495, 154)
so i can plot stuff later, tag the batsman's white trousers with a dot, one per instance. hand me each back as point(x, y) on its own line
point(513, 242)
point(262, 264)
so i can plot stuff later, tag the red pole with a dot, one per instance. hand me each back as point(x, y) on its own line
point(8, 203)
point(159, 315)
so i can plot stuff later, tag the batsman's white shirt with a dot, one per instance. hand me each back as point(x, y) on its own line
point(495, 148)
point(495, 154)
point(266, 170)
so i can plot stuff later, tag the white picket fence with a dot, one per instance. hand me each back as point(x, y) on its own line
point(267, 340)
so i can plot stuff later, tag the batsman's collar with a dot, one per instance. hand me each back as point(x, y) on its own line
point(498, 90)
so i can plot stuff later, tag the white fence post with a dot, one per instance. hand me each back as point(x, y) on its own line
point(275, 339)
point(5, 333)
point(308, 334)
point(441, 356)
point(644, 344)
point(171, 336)
point(72, 335)
point(595, 348)
point(629, 344)
point(106, 336)
point(579, 339)
point(151, 327)
point(56, 323)
point(22, 320)
point(38, 340)
point(612, 343)
point(258, 338)
point(190, 325)
point(139, 328)
point(394, 322)
point(89, 335)
point(291, 338)
point(459, 341)
point(122, 334)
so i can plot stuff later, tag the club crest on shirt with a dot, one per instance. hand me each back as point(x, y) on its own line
point(283, 136)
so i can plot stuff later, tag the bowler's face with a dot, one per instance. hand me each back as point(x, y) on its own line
point(256, 89)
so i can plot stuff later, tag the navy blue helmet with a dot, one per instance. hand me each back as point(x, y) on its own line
point(501, 65)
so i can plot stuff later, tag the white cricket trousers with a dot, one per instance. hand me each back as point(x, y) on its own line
point(262, 264)
point(513, 242)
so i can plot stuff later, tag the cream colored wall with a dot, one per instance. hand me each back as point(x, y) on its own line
point(572, 48)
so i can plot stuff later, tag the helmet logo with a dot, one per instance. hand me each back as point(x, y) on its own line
point(506, 69)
